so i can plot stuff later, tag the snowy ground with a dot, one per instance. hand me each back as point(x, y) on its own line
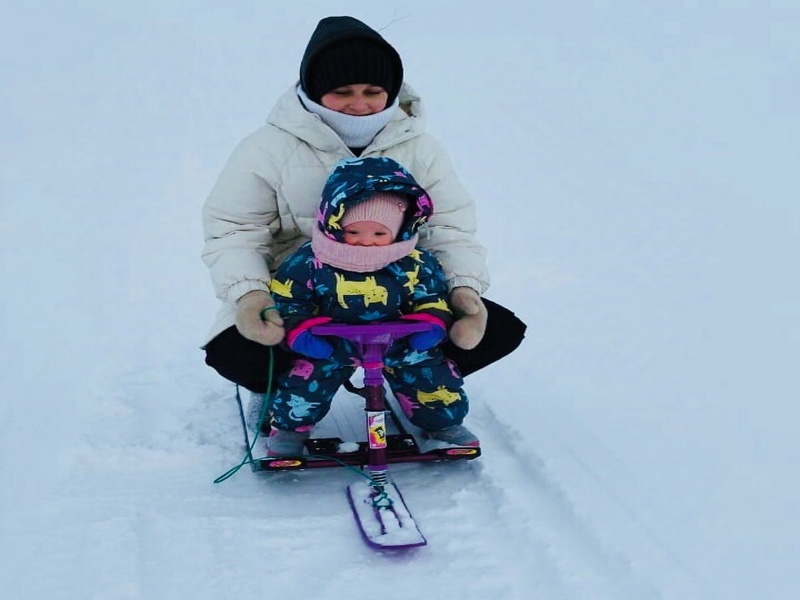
point(640, 444)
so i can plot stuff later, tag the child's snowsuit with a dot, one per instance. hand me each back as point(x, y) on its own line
point(307, 292)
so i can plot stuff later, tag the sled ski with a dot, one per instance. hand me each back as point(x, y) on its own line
point(383, 517)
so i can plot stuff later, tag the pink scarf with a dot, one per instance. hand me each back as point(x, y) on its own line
point(359, 259)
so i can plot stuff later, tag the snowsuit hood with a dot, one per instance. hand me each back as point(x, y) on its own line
point(355, 180)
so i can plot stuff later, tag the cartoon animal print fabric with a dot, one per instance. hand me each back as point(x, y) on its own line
point(427, 384)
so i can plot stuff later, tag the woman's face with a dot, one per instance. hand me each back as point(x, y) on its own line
point(359, 99)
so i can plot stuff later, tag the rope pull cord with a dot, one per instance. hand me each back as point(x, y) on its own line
point(263, 315)
point(248, 457)
point(380, 500)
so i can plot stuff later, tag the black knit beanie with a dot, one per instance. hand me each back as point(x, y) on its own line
point(344, 51)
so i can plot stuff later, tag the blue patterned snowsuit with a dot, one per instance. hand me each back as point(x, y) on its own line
point(427, 385)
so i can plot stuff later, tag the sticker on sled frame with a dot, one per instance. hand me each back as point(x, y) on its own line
point(285, 463)
point(461, 451)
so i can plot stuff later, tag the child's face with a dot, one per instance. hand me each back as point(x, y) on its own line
point(367, 233)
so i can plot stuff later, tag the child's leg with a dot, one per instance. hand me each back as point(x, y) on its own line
point(304, 394)
point(430, 392)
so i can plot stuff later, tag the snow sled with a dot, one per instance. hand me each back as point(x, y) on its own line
point(378, 507)
point(401, 441)
point(402, 446)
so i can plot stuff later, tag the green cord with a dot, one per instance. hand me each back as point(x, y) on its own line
point(264, 310)
point(382, 500)
point(248, 458)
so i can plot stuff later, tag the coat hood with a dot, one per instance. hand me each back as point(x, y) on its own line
point(354, 180)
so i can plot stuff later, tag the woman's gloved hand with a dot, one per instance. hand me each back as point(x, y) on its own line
point(258, 320)
point(470, 325)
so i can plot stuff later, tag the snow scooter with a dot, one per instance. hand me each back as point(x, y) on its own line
point(377, 504)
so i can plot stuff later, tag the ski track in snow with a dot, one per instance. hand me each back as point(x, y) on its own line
point(136, 515)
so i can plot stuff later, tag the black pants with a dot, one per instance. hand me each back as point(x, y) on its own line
point(246, 362)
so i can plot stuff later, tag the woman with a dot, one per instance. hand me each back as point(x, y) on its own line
point(350, 101)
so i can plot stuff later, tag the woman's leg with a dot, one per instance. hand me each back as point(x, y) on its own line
point(245, 362)
point(504, 332)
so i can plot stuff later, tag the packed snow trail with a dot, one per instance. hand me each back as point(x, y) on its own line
point(136, 515)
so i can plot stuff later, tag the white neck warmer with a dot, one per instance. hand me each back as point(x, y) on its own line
point(355, 131)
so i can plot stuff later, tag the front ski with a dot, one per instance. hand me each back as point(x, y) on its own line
point(383, 517)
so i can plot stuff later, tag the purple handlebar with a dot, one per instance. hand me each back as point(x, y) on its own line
point(372, 341)
point(374, 333)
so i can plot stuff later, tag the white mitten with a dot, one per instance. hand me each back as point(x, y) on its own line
point(257, 319)
point(470, 325)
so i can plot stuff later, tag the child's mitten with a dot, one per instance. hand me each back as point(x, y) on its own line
point(423, 340)
point(301, 340)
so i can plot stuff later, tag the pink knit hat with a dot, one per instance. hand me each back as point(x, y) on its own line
point(382, 207)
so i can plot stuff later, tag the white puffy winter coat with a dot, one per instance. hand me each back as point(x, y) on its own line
point(265, 201)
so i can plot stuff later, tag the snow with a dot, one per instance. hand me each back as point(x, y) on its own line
point(642, 443)
point(346, 447)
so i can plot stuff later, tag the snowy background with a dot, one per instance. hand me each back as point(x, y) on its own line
point(642, 444)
